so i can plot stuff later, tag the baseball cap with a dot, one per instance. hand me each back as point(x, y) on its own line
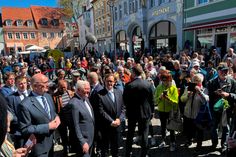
point(222, 67)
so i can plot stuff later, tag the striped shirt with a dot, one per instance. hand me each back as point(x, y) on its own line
point(65, 99)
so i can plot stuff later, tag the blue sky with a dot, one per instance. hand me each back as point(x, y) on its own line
point(27, 3)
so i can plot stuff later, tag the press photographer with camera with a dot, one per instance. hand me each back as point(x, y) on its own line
point(166, 98)
point(194, 96)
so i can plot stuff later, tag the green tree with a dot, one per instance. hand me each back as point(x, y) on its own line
point(73, 8)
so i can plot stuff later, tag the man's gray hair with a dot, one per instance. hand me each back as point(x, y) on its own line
point(81, 84)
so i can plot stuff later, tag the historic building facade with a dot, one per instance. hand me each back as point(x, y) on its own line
point(210, 24)
point(152, 24)
point(42, 26)
point(102, 25)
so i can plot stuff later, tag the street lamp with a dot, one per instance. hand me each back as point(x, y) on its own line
point(111, 4)
point(63, 46)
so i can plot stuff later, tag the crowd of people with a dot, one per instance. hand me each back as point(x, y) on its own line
point(85, 104)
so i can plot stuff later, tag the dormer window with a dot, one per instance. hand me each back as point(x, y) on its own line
point(19, 22)
point(55, 22)
point(30, 23)
point(8, 22)
point(44, 21)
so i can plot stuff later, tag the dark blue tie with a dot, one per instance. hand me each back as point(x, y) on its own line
point(46, 107)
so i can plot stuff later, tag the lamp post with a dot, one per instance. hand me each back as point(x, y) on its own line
point(111, 4)
point(62, 34)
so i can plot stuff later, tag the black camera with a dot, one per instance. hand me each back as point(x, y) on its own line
point(191, 86)
point(165, 92)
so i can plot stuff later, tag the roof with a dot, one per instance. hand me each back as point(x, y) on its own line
point(16, 14)
point(49, 13)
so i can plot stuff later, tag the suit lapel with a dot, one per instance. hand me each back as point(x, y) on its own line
point(84, 107)
point(90, 109)
point(113, 104)
point(38, 106)
point(50, 104)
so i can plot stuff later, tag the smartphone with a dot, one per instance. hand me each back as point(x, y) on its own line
point(30, 142)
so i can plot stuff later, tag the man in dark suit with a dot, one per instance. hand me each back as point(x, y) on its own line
point(14, 101)
point(83, 119)
point(95, 88)
point(111, 113)
point(37, 116)
point(138, 98)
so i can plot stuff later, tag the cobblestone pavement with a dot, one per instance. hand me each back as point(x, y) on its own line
point(181, 150)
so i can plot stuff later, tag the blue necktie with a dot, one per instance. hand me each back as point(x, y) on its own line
point(46, 107)
point(111, 95)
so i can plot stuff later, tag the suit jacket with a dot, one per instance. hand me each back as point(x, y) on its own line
point(34, 120)
point(83, 122)
point(13, 106)
point(6, 91)
point(94, 100)
point(138, 98)
point(109, 110)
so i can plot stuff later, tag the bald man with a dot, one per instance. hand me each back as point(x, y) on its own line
point(37, 116)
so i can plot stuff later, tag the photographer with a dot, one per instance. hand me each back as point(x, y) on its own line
point(166, 97)
point(222, 86)
point(194, 95)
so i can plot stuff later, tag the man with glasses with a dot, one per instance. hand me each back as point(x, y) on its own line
point(37, 116)
point(222, 86)
point(111, 113)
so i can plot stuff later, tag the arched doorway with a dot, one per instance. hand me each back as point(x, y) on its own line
point(163, 36)
point(121, 43)
point(137, 42)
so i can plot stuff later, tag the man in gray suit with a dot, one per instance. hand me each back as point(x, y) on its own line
point(83, 119)
point(37, 116)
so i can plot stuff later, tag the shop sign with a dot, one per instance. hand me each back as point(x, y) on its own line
point(160, 11)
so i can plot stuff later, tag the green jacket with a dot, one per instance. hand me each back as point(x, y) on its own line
point(165, 105)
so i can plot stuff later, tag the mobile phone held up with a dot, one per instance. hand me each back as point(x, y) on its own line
point(30, 142)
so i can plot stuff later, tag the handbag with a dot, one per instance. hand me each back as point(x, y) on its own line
point(175, 121)
point(220, 105)
point(204, 118)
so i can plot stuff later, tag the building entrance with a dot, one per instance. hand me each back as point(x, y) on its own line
point(221, 43)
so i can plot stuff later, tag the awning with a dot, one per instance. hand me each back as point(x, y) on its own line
point(10, 44)
point(219, 23)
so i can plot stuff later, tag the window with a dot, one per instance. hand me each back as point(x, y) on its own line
point(9, 23)
point(199, 2)
point(130, 7)
point(30, 23)
point(25, 35)
point(51, 35)
point(44, 34)
point(17, 36)
point(152, 3)
point(60, 34)
point(120, 11)
point(19, 23)
point(44, 21)
point(125, 8)
point(9, 35)
point(55, 22)
point(136, 5)
point(32, 35)
point(162, 1)
point(116, 17)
